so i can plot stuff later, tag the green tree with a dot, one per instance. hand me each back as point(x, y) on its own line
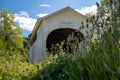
point(10, 33)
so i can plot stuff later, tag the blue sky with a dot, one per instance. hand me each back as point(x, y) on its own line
point(27, 11)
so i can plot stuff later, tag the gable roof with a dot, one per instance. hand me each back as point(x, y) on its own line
point(39, 21)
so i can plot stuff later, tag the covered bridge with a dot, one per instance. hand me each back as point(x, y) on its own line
point(52, 29)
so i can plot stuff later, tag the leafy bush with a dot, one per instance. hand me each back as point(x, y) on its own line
point(75, 67)
point(92, 66)
point(14, 67)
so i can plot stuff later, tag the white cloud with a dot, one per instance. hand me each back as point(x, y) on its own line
point(42, 14)
point(92, 9)
point(23, 13)
point(44, 5)
point(25, 21)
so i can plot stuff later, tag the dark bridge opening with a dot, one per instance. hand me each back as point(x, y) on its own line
point(59, 35)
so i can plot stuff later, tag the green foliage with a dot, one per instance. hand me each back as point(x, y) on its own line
point(14, 67)
point(12, 60)
point(75, 67)
point(93, 66)
point(9, 32)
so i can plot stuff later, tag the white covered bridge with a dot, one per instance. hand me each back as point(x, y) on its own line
point(48, 28)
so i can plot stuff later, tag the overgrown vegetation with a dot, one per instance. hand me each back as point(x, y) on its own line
point(102, 62)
